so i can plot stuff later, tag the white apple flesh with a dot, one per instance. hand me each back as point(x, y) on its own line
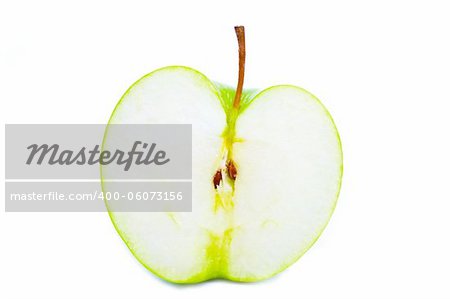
point(265, 179)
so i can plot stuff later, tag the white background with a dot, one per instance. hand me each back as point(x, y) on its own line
point(381, 67)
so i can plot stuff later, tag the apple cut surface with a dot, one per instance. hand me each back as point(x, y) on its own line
point(289, 165)
point(280, 164)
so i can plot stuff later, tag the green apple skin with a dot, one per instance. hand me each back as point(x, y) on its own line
point(216, 256)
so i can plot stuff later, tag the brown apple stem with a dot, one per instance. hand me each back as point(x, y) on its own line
point(240, 33)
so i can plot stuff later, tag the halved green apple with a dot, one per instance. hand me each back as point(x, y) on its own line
point(266, 174)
